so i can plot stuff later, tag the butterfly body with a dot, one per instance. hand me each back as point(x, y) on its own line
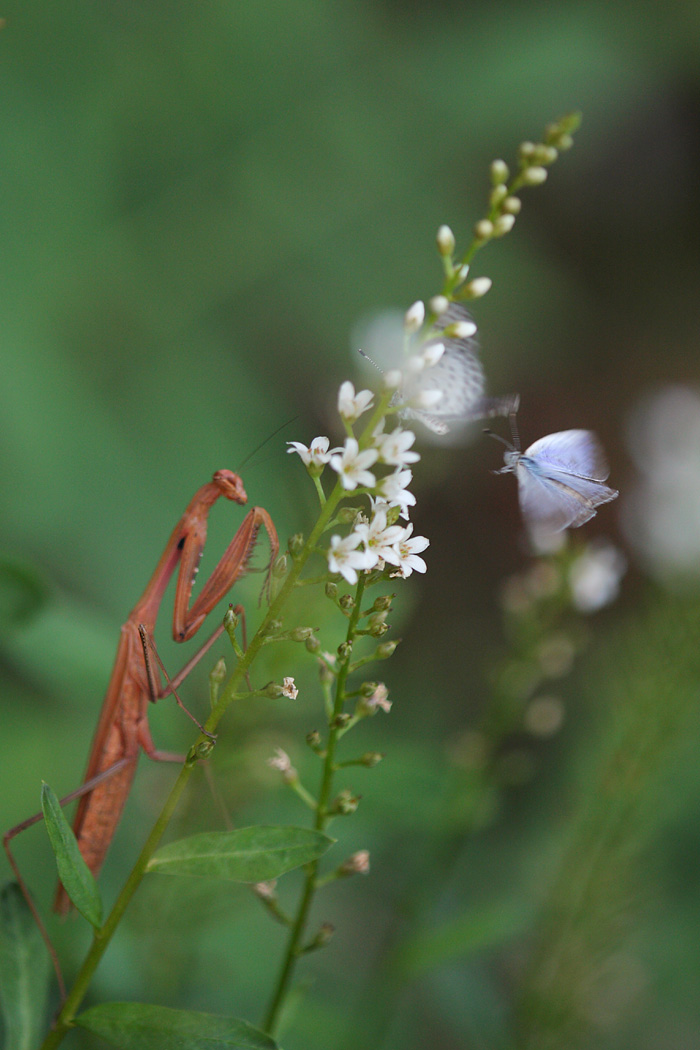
point(560, 479)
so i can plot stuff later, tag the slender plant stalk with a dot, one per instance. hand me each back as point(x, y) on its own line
point(323, 818)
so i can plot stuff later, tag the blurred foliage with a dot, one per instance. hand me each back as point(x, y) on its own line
point(201, 204)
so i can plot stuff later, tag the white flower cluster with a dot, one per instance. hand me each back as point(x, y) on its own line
point(373, 543)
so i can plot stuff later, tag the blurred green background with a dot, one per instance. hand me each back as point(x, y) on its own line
point(201, 204)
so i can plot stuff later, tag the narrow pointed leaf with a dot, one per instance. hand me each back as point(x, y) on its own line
point(478, 930)
point(141, 1026)
point(72, 869)
point(24, 972)
point(244, 855)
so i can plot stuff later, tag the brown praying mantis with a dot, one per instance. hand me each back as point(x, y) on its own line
point(122, 730)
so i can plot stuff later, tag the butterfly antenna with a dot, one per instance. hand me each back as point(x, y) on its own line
point(512, 418)
point(265, 441)
point(498, 438)
point(368, 358)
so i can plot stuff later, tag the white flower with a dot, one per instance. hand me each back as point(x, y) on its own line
point(352, 405)
point(414, 317)
point(408, 550)
point(394, 448)
point(392, 489)
point(289, 689)
point(378, 539)
point(352, 465)
point(392, 379)
point(595, 576)
point(345, 559)
point(316, 454)
point(281, 761)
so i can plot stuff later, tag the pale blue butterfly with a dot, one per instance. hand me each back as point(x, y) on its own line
point(560, 479)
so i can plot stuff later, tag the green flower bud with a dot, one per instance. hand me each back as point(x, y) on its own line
point(345, 804)
point(347, 602)
point(231, 620)
point(368, 688)
point(273, 691)
point(371, 758)
point(312, 644)
point(347, 515)
point(218, 672)
point(512, 206)
point(386, 649)
point(340, 721)
point(300, 634)
point(313, 739)
point(378, 630)
point(331, 590)
point(345, 650)
point(279, 569)
point(498, 194)
point(383, 602)
point(295, 544)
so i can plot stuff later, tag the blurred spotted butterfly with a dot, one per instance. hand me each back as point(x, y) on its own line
point(560, 479)
point(459, 376)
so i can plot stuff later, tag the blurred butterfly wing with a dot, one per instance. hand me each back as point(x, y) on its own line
point(459, 377)
point(595, 492)
point(547, 503)
point(576, 452)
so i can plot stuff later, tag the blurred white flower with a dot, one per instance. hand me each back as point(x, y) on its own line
point(661, 511)
point(289, 689)
point(594, 577)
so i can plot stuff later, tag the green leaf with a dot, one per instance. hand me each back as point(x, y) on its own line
point(24, 972)
point(244, 855)
point(72, 869)
point(23, 592)
point(141, 1026)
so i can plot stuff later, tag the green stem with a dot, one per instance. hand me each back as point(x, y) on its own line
point(322, 820)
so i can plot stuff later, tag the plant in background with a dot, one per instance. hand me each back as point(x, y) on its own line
point(362, 548)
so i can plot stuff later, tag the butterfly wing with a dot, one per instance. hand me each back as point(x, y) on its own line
point(459, 376)
point(548, 504)
point(560, 480)
point(576, 452)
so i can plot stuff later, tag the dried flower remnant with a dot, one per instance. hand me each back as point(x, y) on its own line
point(289, 689)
